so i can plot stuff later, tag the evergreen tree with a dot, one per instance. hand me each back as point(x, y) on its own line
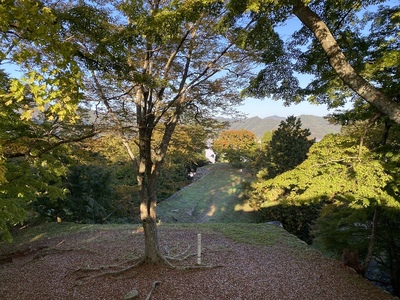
point(288, 147)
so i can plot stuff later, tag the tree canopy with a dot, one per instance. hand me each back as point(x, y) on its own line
point(335, 169)
point(236, 146)
point(143, 66)
point(359, 57)
point(154, 74)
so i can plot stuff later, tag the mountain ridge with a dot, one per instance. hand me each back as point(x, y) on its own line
point(319, 126)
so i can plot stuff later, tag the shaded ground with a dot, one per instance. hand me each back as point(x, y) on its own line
point(275, 266)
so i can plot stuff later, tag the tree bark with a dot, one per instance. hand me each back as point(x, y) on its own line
point(146, 178)
point(150, 162)
point(148, 216)
point(372, 240)
point(152, 250)
point(342, 67)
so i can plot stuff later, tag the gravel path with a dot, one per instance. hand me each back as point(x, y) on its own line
point(48, 270)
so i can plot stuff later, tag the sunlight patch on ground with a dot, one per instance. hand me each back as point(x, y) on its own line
point(212, 210)
point(244, 207)
point(93, 238)
point(37, 237)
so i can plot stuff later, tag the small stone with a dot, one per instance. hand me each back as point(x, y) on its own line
point(275, 223)
point(131, 295)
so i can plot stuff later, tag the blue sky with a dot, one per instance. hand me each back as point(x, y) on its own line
point(265, 108)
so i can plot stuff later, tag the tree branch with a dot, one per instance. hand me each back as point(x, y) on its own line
point(114, 116)
point(339, 63)
point(50, 147)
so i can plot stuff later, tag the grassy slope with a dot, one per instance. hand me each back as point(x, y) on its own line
point(215, 197)
point(250, 233)
point(214, 200)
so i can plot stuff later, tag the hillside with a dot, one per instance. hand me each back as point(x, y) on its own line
point(318, 126)
point(239, 260)
point(214, 197)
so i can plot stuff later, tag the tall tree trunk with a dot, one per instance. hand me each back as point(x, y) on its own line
point(148, 202)
point(147, 178)
point(342, 67)
point(151, 251)
point(372, 240)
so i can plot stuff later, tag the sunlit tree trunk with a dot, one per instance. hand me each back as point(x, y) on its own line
point(148, 202)
point(147, 179)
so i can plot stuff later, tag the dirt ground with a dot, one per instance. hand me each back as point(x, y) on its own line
point(85, 265)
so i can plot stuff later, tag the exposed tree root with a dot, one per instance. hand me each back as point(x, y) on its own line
point(153, 287)
point(36, 253)
point(9, 257)
point(105, 271)
point(116, 270)
point(180, 256)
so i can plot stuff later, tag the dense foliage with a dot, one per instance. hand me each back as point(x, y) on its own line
point(107, 113)
point(288, 148)
point(235, 146)
point(344, 194)
point(145, 68)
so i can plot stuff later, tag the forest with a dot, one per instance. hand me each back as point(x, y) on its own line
point(107, 106)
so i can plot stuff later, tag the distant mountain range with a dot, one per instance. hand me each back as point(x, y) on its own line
point(318, 126)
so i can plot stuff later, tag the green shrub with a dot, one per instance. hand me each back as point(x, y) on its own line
point(297, 219)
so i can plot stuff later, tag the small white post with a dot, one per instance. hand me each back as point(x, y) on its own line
point(199, 248)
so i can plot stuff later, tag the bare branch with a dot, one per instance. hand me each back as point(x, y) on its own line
point(114, 116)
